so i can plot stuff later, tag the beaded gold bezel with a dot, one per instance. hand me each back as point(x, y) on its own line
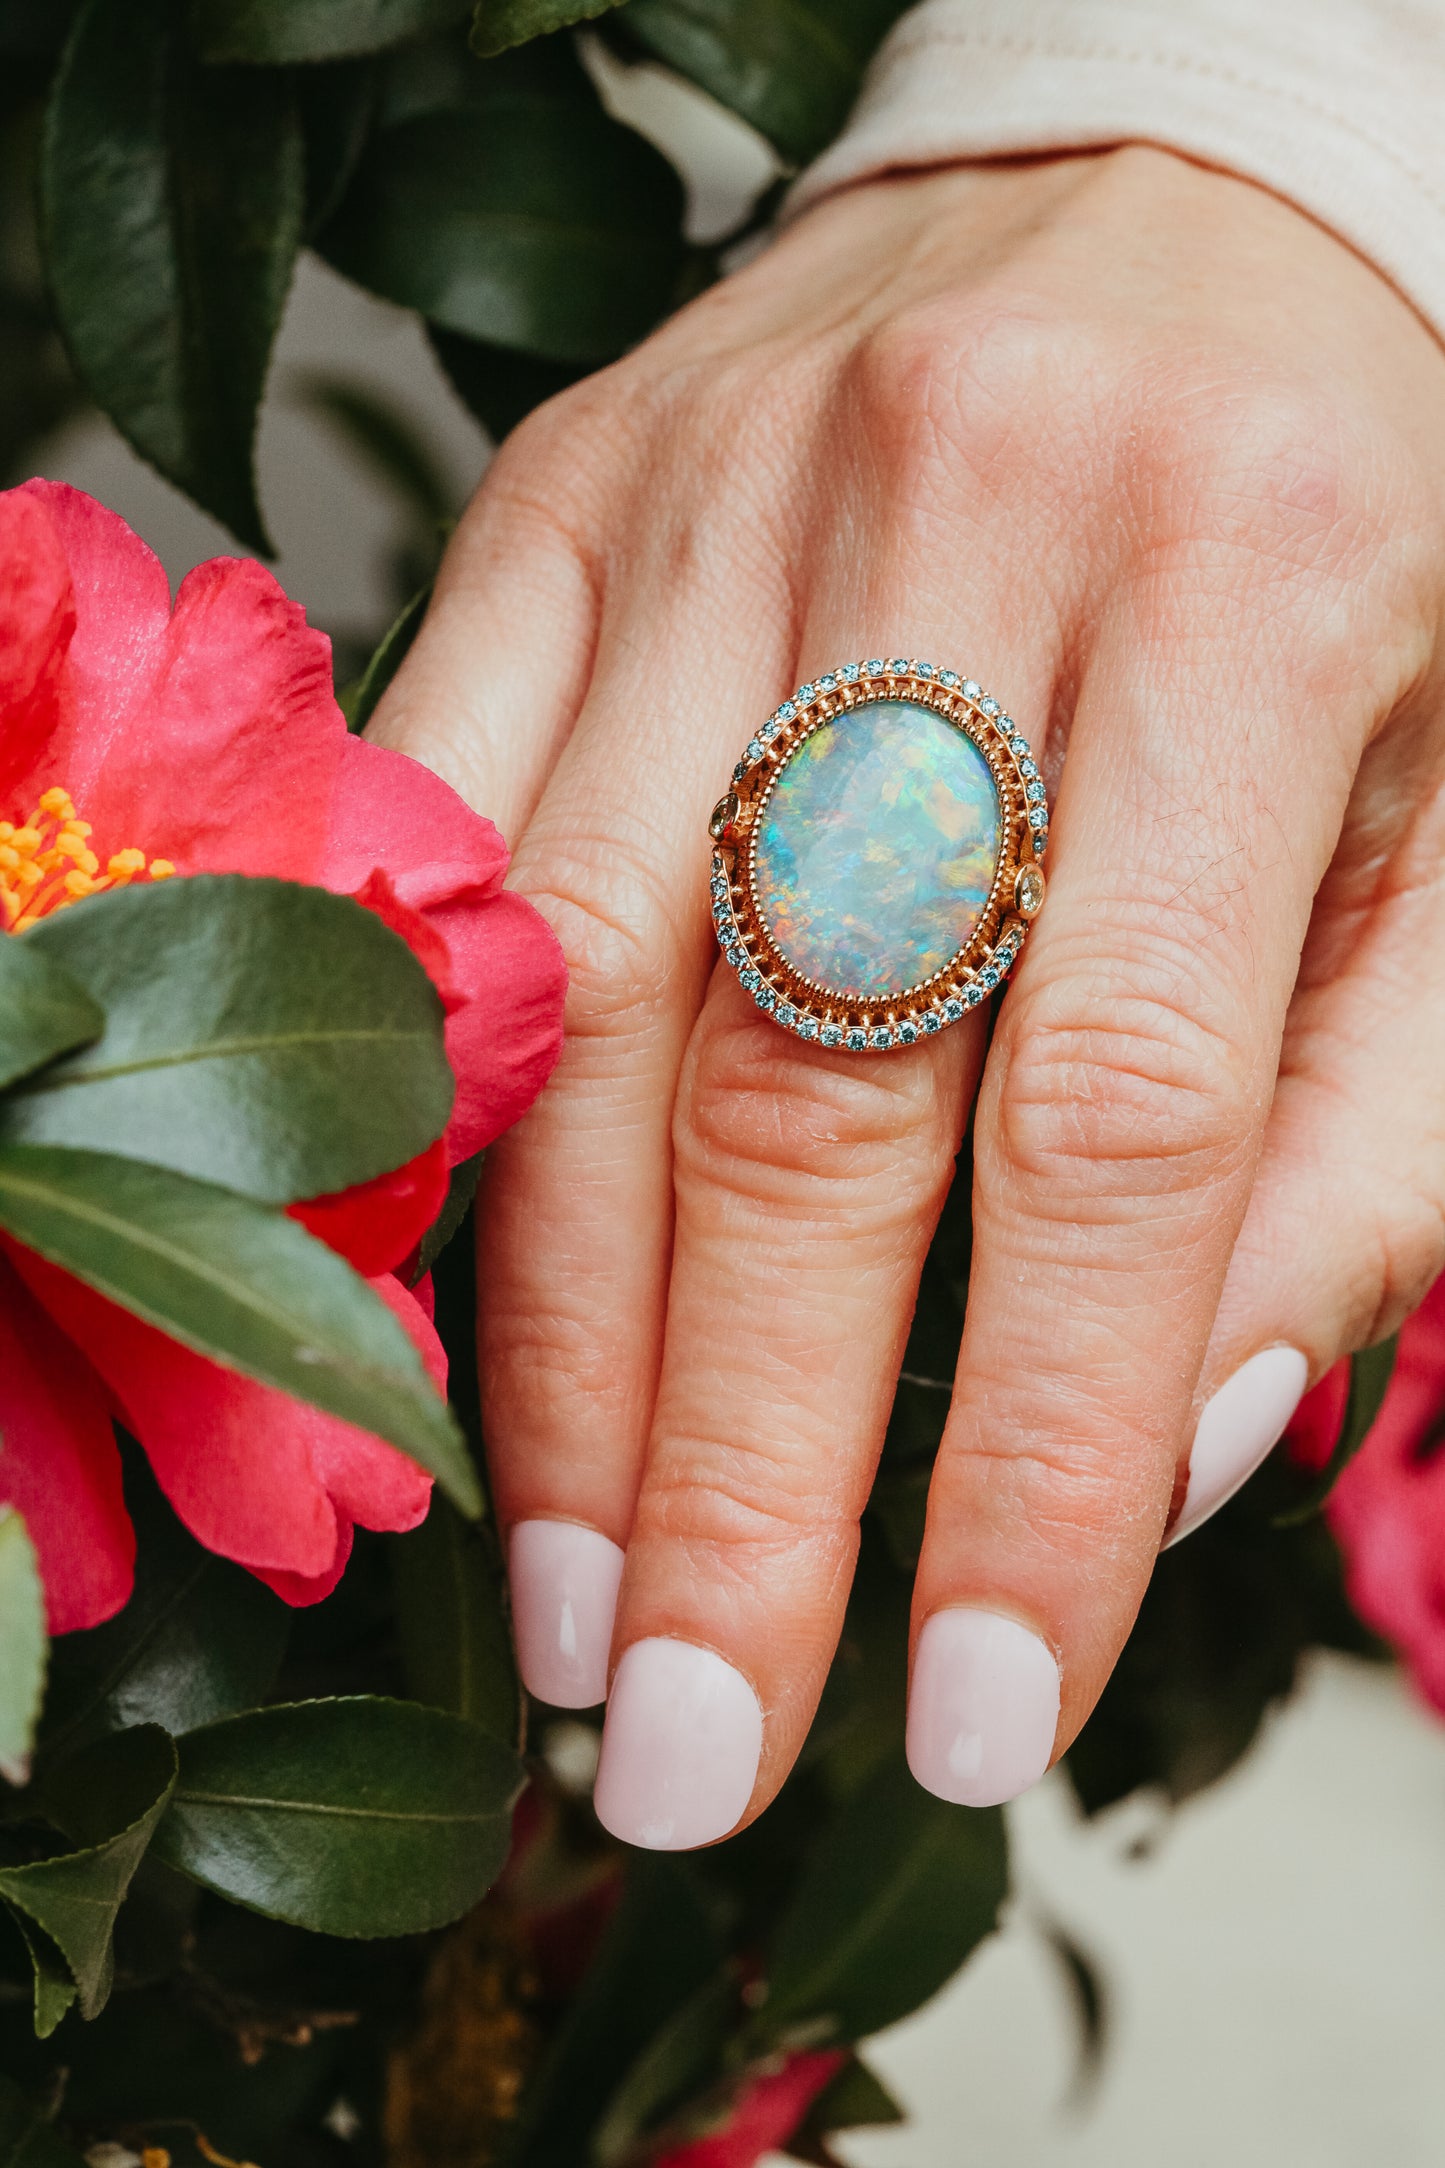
point(840, 1017)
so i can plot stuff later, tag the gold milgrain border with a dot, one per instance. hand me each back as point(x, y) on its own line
point(834, 1016)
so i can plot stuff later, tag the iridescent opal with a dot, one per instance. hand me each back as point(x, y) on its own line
point(877, 849)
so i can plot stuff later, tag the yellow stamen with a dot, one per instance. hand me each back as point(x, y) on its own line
point(48, 863)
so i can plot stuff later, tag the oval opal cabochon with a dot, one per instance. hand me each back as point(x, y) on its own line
point(877, 849)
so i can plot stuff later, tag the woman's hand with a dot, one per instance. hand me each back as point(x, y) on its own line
point(1163, 464)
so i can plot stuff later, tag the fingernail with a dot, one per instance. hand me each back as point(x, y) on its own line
point(1243, 1423)
point(564, 1582)
point(983, 1708)
point(680, 1747)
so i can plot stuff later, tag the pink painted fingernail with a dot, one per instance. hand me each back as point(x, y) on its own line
point(1241, 1425)
point(983, 1708)
point(564, 1581)
point(680, 1747)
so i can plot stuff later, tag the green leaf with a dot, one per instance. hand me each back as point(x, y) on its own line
point(355, 1817)
point(1090, 2001)
point(242, 1017)
point(899, 1889)
point(1371, 1370)
point(199, 1637)
point(108, 1800)
point(456, 1646)
point(1225, 1622)
point(173, 197)
point(336, 105)
point(527, 218)
point(22, 1646)
point(277, 32)
point(856, 2100)
point(661, 1947)
point(460, 1196)
point(28, 2139)
point(244, 1285)
point(678, 2062)
point(43, 1011)
point(500, 388)
point(55, 1989)
point(790, 67)
point(499, 24)
point(362, 703)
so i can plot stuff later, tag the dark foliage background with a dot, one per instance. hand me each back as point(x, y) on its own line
point(197, 1954)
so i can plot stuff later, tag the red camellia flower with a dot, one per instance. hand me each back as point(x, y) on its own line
point(765, 2115)
point(1388, 1508)
point(140, 742)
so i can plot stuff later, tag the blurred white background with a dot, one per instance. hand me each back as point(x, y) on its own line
point(1275, 1961)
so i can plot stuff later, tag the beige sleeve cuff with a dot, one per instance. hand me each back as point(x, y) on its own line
point(1336, 105)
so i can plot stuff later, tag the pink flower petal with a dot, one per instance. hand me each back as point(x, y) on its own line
point(376, 1225)
point(392, 812)
point(503, 1042)
point(255, 1476)
point(767, 2113)
point(1388, 1508)
point(37, 621)
point(59, 1465)
point(230, 769)
point(302, 1590)
point(233, 1457)
point(208, 736)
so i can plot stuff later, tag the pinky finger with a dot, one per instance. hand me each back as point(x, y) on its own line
point(1345, 1230)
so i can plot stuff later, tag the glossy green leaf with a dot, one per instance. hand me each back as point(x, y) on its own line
point(261, 1034)
point(281, 31)
point(678, 2062)
point(660, 1949)
point(362, 702)
point(244, 1285)
point(528, 218)
point(356, 1817)
point(1371, 1370)
point(173, 197)
point(499, 24)
point(790, 67)
point(44, 1012)
point(108, 1800)
point(460, 1196)
point(855, 2100)
point(28, 2138)
point(898, 1891)
point(1089, 1997)
point(22, 1645)
point(336, 105)
point(455, 1642)
point(500, 387)
point(55, 1988)
point(1226, 1621)
point(199, 1638)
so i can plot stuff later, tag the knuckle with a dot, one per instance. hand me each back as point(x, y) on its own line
point(936, 388)
point(854, 1134)
point(557, 1360)
point(740, 1503)
point(617, 932)
point(1407, 1258)
point(1134, 1093)
point(1056, 1473)
point(1271, 465)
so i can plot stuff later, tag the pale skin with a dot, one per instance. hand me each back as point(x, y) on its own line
point(1163, 464)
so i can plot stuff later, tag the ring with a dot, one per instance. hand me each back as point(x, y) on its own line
point(876, 864)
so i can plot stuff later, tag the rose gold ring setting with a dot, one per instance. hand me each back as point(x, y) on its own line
point(877, 862)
